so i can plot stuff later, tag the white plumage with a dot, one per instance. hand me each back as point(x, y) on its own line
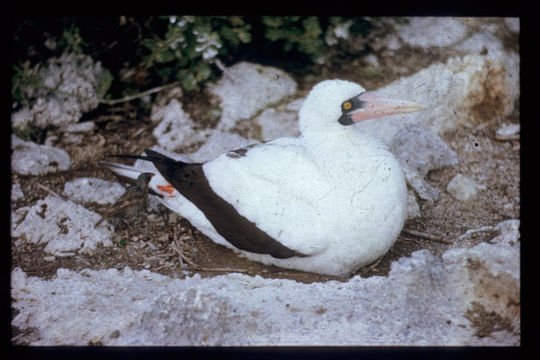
point(334, 195)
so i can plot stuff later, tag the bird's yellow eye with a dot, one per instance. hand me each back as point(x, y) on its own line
point(347, 105)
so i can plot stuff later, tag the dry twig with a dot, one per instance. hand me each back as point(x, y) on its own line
point(403, 238)
point(51, 191)
point(195, 267)
point(425, 236)
point(373, 266)
point(115, 101)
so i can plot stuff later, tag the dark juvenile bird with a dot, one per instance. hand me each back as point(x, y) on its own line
point(132, 202)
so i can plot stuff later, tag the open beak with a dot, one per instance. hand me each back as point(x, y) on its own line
point(369, 106)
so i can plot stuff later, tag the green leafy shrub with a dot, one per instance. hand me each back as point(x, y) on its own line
point(72, 41)
point(312, 35)
point(192, 44)
point(22, 77)
point(296, 32)
point(152, 50)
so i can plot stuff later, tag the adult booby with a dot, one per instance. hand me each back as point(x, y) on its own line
point(328, 202)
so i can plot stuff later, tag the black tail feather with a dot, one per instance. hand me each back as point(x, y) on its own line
point(129, 157)
point(165, 165)
point(152, 156)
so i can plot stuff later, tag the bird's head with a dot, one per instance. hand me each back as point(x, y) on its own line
point(143, 179)
point(337, 103)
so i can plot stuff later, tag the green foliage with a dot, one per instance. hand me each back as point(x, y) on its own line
point(72, 41)
point(186, 48)
point(104, 84)
point(28, 133)
point(312, 35)
point(192, 43)
point(26, 77)
point(22, 77)
point(301, 33)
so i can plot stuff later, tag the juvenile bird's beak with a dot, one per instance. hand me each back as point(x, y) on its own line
point(369, 106)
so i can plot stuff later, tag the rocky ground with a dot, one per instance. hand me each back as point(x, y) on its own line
point(482, 133)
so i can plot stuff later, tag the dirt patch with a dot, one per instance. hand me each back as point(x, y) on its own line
point(486, 322)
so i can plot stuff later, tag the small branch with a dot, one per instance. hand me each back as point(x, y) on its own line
point(222, 68)
point(195, 267)
point(403, 238)
point(474, 231)
point(374, 265)
point(109, 118)
point(426, 236)
point(184, 258)
point(114, 101)
point(51, 192)
point(220, 270)
point(139, 95)
point(220, 65)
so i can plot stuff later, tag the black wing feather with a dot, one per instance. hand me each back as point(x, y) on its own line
point(189, 179)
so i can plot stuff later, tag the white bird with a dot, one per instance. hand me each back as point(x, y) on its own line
point(329, 201)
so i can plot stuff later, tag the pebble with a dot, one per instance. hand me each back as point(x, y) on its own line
point(508, 130)
point(462, 188)
point(16, 192)
point(29, 158)
point(79, 127)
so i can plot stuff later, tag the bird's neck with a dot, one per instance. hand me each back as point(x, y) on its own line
point(342, 149)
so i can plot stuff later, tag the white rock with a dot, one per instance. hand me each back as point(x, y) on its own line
point(463, 92)
point(16, 192)
point(101, 192)
point(217, 143)
point(21, 118)
point(50, 140)
point(66, 228)
point(93, 190)
point(175, 129)
point(508, 130)
point(295, 105)
point(413, 209)
point(509, 233)
point(462, 188)
point(489, 273)
point(425, 301)
point(73, 138)
point(372, 60)
point(79, 127)
point(29, 158)
point(276, 124)
point(432, 31)
point(69, 74)
point(480, 42)
point(418, 151)
point(392, 42)
point(247, 88)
